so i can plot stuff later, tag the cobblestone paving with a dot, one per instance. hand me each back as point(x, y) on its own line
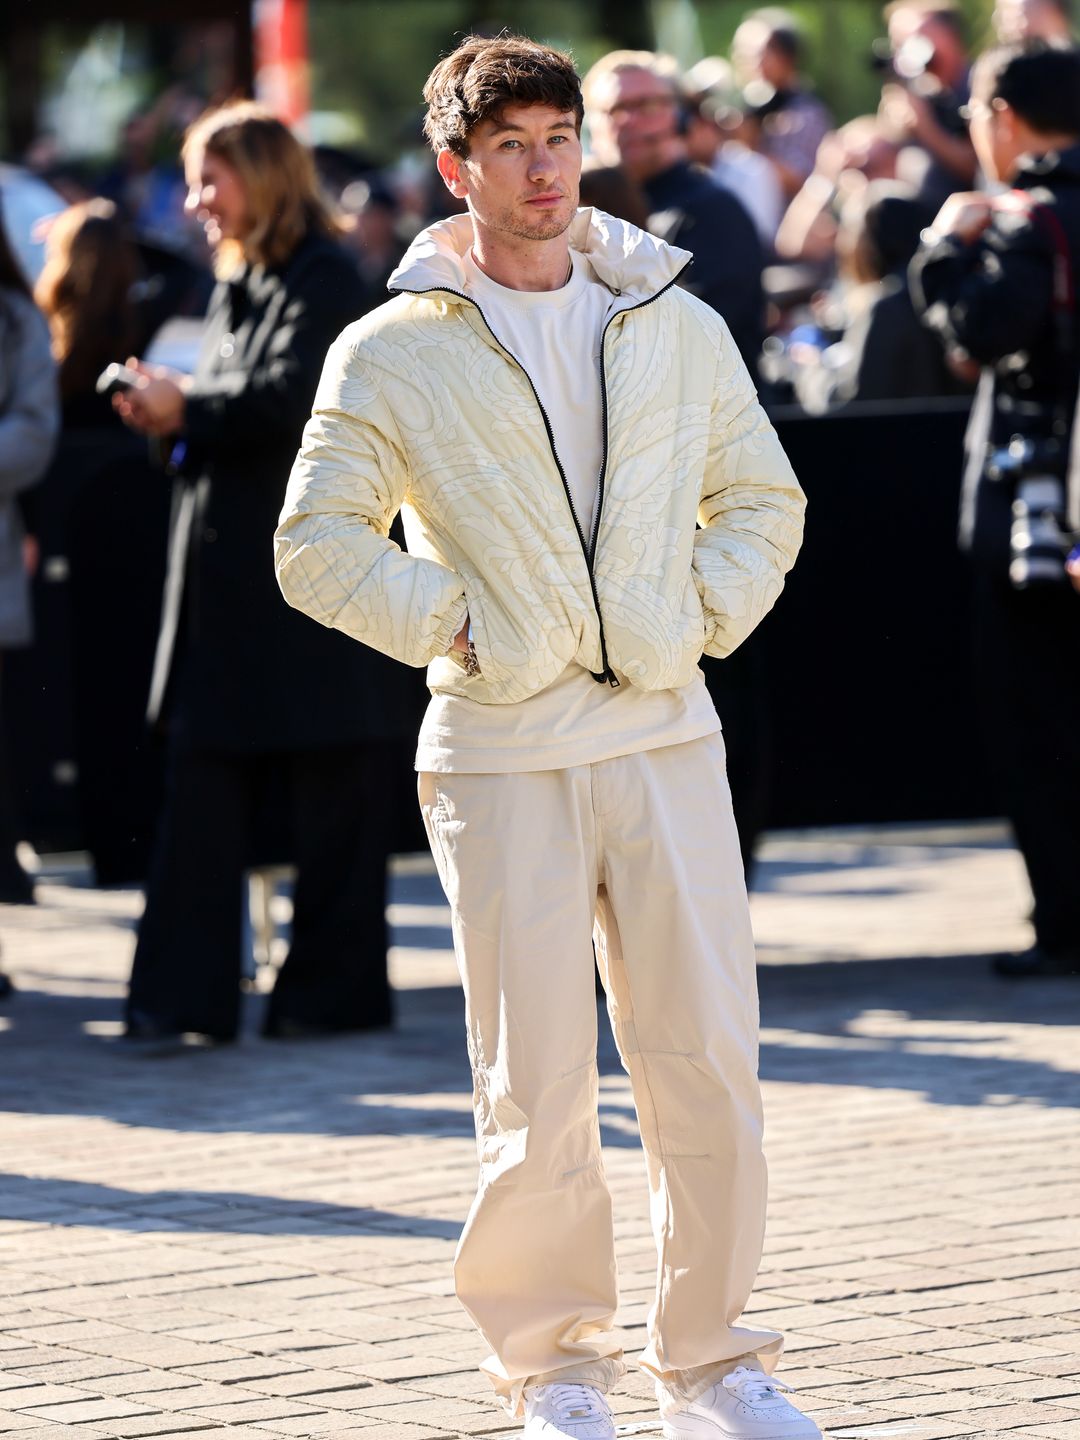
point(258, 1241)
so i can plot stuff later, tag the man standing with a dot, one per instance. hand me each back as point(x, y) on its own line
point(639, 120)
point(555, 417)
point(996, 279)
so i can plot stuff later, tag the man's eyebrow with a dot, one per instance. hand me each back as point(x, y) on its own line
point(499, 127)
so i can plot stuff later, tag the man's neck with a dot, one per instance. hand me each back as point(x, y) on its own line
point(1035, 146)
point(523, 265)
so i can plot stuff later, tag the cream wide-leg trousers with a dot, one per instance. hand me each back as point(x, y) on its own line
point(642, 853)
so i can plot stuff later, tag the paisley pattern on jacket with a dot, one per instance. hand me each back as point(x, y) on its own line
point(420, 409)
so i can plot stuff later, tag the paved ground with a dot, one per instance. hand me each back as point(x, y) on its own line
point(258, 1241)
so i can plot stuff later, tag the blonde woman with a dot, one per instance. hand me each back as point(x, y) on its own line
point(266, 713)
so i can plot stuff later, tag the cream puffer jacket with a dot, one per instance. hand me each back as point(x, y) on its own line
point(420, 409)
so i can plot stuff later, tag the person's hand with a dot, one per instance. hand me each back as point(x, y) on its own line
point(831, 157)
point(905, 115)
point(461, 639)
point(156, 405)
point(896, 113)
point(966, 214)
point(963, 366)
point(1072, 567)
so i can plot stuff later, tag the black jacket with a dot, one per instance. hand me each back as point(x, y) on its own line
point(689, 209)
point(237, 669)
point(890, 355)
point(995, 300)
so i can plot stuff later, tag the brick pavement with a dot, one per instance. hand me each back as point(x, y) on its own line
point(258, 1241)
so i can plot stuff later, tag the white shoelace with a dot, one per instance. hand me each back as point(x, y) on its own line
point(753, 1386)
point(578, 1402)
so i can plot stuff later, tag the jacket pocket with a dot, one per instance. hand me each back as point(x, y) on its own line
point(474, 595)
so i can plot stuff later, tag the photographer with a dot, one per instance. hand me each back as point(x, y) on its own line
point(926, 65)
point(996, 279)
point(768, 52)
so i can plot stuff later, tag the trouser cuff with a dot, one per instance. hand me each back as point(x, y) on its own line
point(604, 1373)
point(676, 1389)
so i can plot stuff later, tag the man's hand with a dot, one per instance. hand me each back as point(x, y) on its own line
point(964, 215)
point(904, 115)
point(461, 639)
point(156, 405)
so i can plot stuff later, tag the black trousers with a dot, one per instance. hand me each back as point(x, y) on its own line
point(187, 967)
point(1027, 650)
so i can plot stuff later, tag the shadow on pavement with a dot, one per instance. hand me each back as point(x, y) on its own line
point(78, 1202)
point(917, 1024)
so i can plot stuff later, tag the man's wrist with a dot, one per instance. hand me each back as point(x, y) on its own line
point(465, 658)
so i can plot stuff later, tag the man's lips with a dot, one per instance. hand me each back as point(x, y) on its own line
point(552, 199)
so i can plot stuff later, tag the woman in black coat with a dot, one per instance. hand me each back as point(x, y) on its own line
point(261, 705)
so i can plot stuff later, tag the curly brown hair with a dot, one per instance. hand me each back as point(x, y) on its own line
point(482, 76)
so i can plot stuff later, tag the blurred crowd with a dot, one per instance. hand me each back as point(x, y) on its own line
point(813, 288)
point(802, 232)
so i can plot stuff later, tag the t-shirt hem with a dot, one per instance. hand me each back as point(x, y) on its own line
point(518, 759)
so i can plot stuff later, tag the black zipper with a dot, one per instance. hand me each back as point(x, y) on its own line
point(605, 676)
point(629, 309)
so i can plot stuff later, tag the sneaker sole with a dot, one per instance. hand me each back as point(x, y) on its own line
point(546, 1429)
point(717, 1432)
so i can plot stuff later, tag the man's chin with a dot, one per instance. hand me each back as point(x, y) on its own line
point(549, 224)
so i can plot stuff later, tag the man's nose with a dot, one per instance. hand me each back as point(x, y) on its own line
point(541, 163)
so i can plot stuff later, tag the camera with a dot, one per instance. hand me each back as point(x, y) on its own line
point(908, 63)
point(1039, 539)
point(909, 66)
point(115, 379)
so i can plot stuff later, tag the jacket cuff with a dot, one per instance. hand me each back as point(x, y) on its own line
point(452, 623)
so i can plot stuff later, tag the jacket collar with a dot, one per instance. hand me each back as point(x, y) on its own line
point(1037, 169)
point(630, 262)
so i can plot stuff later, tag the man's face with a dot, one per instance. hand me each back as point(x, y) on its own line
point(520, 177)
point(633, 120)
point(991, 138)
point(949, 61)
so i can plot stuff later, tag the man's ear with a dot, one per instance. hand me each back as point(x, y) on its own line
point(1006, 116)
point(449, 167)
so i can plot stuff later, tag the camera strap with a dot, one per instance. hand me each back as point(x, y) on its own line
point(1064, 283)
point(1064, 312)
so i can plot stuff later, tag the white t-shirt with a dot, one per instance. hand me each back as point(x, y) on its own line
point(751, 179)
point(576, 720)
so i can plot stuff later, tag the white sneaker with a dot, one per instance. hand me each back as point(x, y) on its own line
point(745, 1405)
point(579, 1411)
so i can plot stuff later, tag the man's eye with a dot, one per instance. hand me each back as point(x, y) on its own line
point(506, 144)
